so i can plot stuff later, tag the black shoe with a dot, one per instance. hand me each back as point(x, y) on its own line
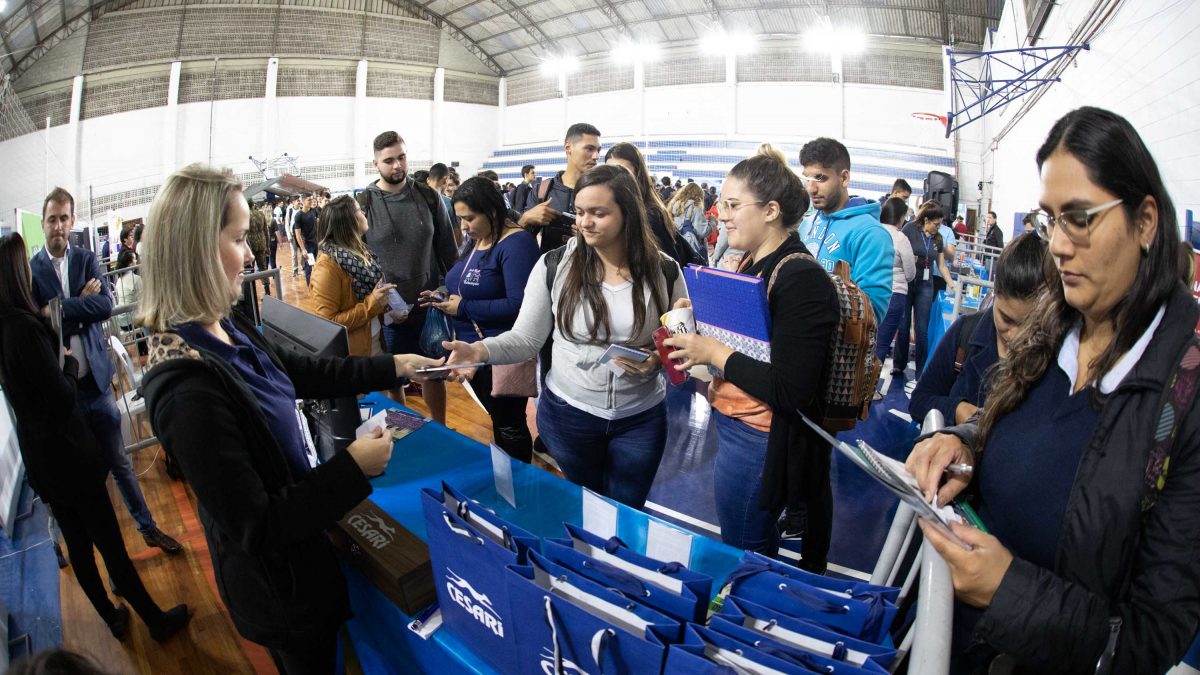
point(793, 524)
point(119, 623)
point(156, 538)
point(173, 621)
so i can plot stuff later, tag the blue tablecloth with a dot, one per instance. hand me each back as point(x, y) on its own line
point(434, 454)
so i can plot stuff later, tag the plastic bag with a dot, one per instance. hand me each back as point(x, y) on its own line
point(435, 331)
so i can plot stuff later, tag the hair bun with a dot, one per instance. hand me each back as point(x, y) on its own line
point(768, 150)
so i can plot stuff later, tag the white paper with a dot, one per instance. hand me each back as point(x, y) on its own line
point(312, 260)
point(398, 309)
point(614, 350)
point(599, 515)
point(377, 421)
point(667, 544)
point(502, 471)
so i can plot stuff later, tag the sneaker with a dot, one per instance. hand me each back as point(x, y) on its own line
point(793, 523)
point(156, 538)
point(118, 625)
point(173, 621)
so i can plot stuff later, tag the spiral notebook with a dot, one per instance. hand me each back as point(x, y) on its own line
point(731, 308)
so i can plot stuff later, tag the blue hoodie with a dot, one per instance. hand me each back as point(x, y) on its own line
point(855, 235)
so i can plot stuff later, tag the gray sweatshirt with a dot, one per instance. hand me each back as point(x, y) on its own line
point(414, 246)
point(576, 370)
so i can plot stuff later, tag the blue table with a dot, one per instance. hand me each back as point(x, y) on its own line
point(434, 454)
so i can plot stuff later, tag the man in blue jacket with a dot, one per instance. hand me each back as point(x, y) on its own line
point(845, 228)
point(73, 274)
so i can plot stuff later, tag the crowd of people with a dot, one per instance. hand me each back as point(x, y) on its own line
point(1070, 395)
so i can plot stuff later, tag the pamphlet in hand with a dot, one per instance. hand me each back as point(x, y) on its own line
point(398, 423)
point(615, 350)
point(398, 309)
point(56, 321)
point(894, 477)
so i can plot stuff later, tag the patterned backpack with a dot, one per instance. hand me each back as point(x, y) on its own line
point(853, 369)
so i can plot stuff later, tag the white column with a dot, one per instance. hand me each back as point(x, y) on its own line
point(170, 139)
point(270, 112)
point(361, 142)
point(73, 162)
point(439, 94)
point(502, 113)
point(731, 98)
point(839, 98)
point(639, 88)
point(562, 91)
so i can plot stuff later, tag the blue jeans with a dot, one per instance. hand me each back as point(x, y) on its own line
point(738, 482)
point(309, 247)
point(891, 322)
point(616, 458)
point(103, 418)
point(916, 314)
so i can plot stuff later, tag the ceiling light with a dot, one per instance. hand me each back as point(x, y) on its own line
point(831, 40)
point(636, 52)
point(559, 65)
point(722, 42)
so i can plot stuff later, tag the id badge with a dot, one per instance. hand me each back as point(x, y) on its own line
point(925, 275)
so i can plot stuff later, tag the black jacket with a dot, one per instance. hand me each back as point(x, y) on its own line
point(1111, 561)
point(273, 564)
point(804, 313)
point(994, 237)
point(62, 458)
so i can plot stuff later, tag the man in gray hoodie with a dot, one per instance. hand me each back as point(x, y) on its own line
point(411, 235)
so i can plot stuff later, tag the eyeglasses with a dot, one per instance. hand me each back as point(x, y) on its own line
point(726, 208)
point(1076, 224)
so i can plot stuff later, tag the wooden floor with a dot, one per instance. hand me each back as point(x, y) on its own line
point(210, 644)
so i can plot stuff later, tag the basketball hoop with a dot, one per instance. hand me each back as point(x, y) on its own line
point(930, 117)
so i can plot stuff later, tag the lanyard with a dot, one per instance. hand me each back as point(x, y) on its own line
point(928, 262)
point(466, 266)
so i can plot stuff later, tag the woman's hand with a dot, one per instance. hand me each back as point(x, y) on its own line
point(642, 368)
point(697, 350)
point(465, 352)
point(929, 459)
point(449, 306)
point(428, 298)
point(963, 412)
point(976, 573)
point(407, 365)
point(372, 452)
point(377, 300)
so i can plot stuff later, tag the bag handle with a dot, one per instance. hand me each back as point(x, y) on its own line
point(462, 532)
point(792, 656)
point(599, 641)
point(623, 582)
point(811, 600)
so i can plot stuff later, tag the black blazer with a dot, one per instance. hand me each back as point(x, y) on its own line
point(62, 457)
point(273, 564)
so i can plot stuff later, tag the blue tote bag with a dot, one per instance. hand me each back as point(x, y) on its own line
point(800, 634)
point(707, 652)
point(469, 548)
point(569, 624)
point(864, 615)
point(669, 587)
point(800, 657)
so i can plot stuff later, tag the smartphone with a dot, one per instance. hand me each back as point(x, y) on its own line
point(676, 377)
point(446, 369)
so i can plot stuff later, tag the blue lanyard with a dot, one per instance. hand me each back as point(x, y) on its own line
point(928, 262)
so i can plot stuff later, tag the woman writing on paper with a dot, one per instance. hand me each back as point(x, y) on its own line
point(486, 287)
point(1087, 453)
point(222, 401)
point(766, 451)
point(603, 421)
point(347, 283)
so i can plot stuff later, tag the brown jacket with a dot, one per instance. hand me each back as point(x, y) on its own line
point(332, 297)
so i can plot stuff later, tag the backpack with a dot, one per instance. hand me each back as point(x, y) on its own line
point(964, 340)
point(431, 197)
point(853, 369)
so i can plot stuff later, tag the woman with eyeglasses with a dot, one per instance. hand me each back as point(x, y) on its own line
point(1087, 454)
point(767, 457)
point(928, 251)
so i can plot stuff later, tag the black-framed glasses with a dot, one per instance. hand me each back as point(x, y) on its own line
point(1077, 224)
point(726, 207)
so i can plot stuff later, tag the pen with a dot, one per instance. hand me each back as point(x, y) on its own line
point(424, 615)
point(959, 469)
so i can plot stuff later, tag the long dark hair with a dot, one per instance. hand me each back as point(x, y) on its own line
point(16, 290)
point(645, 184)
point(642, 255)
point(1120, 163)
point(893, 212)
point(338, 225)
point(1021, 271)
point(481, 196)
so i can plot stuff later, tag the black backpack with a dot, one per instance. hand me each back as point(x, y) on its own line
point(432, 198)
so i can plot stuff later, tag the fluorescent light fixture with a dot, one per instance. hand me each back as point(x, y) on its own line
point(636, 52)
point(3, 5)
point(831, 40)
point(564, 64)
point(719, 42)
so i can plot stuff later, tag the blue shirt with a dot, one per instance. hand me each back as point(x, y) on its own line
point(491, 285)
point(854, 235)
point(948, 239)
point(275, 393)
point(939, 388)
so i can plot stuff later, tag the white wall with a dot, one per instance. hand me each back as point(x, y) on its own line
point(1142, 66)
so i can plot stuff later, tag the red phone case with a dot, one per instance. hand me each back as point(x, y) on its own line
point(676, 377)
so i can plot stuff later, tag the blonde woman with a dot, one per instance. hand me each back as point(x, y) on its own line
point(222, 401)
point(347, 283)
point(687, 208)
